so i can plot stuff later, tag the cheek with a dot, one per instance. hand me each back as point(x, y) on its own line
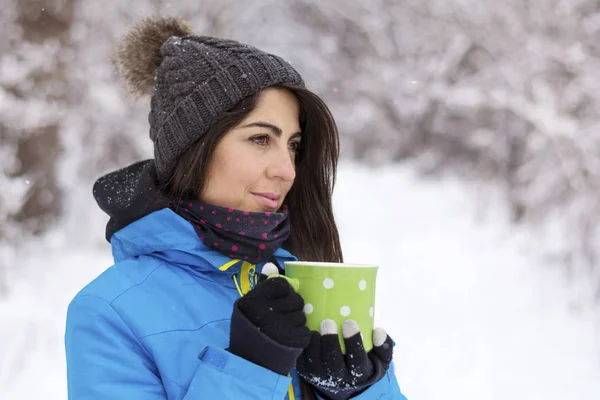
point(239, 172)
point(289, 186)
point(248, 175)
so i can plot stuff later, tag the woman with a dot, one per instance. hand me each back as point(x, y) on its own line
point(242, 178)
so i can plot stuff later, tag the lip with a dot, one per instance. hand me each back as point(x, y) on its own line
point(269, 200)
point(272, 196)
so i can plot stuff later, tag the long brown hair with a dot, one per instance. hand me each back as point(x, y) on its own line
point(314, 235)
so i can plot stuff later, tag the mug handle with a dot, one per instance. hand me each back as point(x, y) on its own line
point(294, 283)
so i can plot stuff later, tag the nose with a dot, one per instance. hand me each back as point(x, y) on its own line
point(282, 166)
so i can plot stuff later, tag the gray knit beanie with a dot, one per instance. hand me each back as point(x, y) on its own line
point(192, 80)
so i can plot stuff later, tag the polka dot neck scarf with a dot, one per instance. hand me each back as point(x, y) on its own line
point(243, 235)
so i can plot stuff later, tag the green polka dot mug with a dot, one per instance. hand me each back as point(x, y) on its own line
point(336, 291)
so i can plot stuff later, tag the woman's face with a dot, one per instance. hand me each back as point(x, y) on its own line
point(253, 166)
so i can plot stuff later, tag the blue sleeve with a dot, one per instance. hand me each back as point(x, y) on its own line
point(104, 358)
point(106, 361)
point(386, 389)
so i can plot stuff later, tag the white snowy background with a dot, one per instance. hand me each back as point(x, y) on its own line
point(470, 174)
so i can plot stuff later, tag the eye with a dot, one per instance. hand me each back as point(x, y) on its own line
point(261, 140)
point(295, 146)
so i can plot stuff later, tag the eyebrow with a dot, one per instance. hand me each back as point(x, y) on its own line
point(275, 129)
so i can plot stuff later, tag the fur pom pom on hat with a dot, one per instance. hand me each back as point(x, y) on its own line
point(139, 56)
point(191, 80)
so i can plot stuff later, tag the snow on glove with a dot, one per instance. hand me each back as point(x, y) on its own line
point(268, 326)
point(339, 376)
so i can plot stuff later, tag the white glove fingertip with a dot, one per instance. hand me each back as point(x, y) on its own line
point(328, 327)
point(379, 337)
point(269, 269)
point(350, 328)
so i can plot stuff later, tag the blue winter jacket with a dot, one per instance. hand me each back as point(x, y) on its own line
point(156, 324)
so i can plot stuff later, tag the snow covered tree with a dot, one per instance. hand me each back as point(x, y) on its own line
point(505, 93)
point(33, 89)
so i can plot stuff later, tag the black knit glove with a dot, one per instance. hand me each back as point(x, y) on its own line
point(268, 326)
point(337, 376)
